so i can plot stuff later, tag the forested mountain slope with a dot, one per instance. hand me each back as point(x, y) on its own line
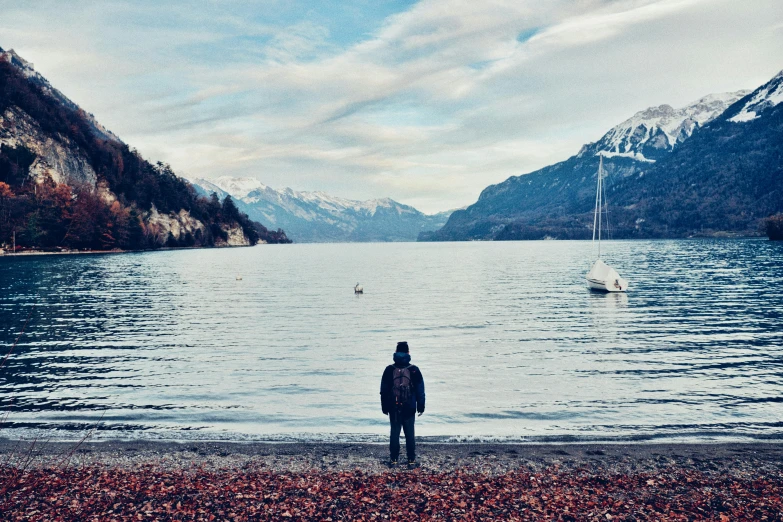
point(67, 182)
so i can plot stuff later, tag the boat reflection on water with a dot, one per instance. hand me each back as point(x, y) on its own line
point(608, 300)
point(609, 318)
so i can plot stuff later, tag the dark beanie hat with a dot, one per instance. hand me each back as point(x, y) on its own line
point(402, 347)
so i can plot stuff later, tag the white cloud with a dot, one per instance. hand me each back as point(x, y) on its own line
point(438, 102)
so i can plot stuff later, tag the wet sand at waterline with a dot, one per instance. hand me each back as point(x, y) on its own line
point(372, 458)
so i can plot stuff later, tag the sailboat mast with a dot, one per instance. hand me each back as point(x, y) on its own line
point(597, 192)
point(600, 201)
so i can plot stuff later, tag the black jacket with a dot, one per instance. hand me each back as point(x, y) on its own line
point(416, 401)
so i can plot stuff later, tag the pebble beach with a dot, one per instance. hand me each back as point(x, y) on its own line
point(140, 480)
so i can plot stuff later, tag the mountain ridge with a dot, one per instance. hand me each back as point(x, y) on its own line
point(651, 133)
point(318, 216)
point(27, 68)
point(557, 201)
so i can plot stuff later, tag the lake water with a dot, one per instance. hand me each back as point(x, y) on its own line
point(511, 344)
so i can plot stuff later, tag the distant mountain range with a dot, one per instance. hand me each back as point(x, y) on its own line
point(714, 167)
point(319, 217)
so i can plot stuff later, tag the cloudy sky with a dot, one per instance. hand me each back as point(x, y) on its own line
point(426, 102)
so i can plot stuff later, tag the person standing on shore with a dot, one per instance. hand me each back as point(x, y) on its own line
point(402, 395)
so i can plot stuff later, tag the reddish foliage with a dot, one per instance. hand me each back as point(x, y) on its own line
point(95, 493)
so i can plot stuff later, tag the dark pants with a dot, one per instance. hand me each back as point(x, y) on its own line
point(406, 424)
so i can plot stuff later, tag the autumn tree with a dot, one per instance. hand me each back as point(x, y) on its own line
point(83, 231)
point(6, 195)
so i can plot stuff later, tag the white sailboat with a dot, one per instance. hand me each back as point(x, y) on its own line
point(601, 276)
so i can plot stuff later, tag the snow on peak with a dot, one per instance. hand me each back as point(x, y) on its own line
point(251, 190)
point(655, 130)
point(652, 113)
point(633, 155)
point(238, 187)
point(765, 97)
point(333, 203)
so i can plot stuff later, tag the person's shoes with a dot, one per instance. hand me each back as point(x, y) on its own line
point(412, 464)
point(392, 463)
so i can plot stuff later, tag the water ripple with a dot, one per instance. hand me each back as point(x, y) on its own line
point(512, 346)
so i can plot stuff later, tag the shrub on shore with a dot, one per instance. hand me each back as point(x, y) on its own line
point(774, 227)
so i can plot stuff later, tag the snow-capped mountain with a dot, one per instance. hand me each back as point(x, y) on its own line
point(238, 187)
point(710, 168)
point(251, 190)
point(763, 99)
point(652, 133)
point(317, 216)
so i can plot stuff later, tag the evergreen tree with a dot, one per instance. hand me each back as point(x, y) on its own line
point(230, 211)
point(171, 242)
point(136, 240)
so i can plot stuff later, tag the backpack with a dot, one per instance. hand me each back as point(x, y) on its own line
point(402, 386)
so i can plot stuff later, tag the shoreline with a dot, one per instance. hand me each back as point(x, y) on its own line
point(163, 249)
point(115, 251)
point(137, 480)
point(372, 457)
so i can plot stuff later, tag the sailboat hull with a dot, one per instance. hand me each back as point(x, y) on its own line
point(618, 285)
point(604, 278)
